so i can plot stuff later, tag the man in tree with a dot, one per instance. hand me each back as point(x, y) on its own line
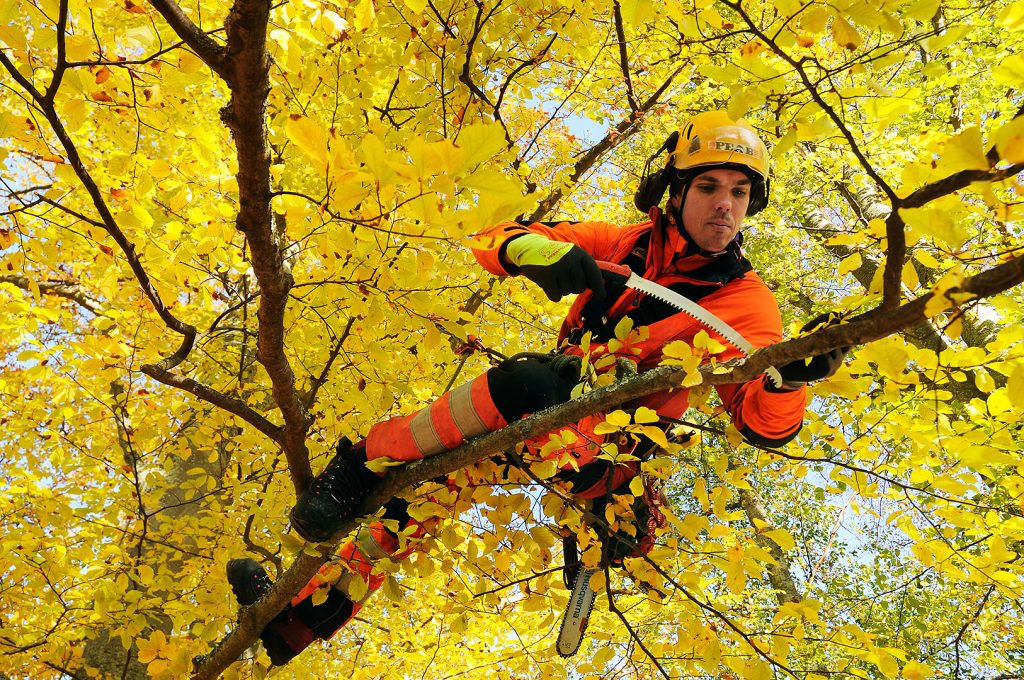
point(716, 174)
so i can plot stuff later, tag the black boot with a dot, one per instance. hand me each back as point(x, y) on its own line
point(335, 494)
point(248, 580)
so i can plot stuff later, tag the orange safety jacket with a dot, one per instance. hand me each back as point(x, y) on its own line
point(743, 301)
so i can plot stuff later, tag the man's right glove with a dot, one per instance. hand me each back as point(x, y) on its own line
point(796, 373)
point(559, 268)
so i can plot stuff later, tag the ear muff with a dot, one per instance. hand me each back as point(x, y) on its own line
point(759, 196)
point(651, 190)
point(653, 185)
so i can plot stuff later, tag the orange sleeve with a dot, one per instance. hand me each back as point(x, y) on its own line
point(597, 238)
point(765, 418)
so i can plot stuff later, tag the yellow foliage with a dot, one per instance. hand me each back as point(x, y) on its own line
point(394, 131)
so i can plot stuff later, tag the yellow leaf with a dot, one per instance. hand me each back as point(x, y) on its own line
point(645, 415)
point(850, 263)
point(927, 259)
point(380, 465)
point(946, 38)
point(619, 419)
point(363, 15)
point(623, 327)
point(937, 304)
point(392, 590)
point(704, 341)
point(936, 223)
point(909, 276)
point(722, 74)
point(656, 435)
point(480, 142)
point(310, 137)
point(1013, 16)
point(983, 380)
point(375, 154)
point(922, 10)
point(1015, 387)
point(963, 151)
point(188, 62)
point(319, 596)
point(545, 469)
point(845, 34)
point(915, 670)
point(331, 24)
point(330, 572)
point(700, 493)
point(357, 588)
point(636, 487)
point(1009, 141)
point(999, 402)
point(814, 19)
point(781, 538)
point(677, 349)
point(735, 575)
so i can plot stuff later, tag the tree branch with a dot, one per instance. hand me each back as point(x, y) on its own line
point(216, 398)
point(65, 289)
point(780, 573)
point(246, 70)
point(212, 54)
point(620, 35)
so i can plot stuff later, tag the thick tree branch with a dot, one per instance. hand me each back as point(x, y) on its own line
point(61, 65)
point(620, 34)
point(212, 54)
point(216, 398)
point(246, 69)
point(64, 289)
point(466, 76)
point(779, 574)
point(955, 182)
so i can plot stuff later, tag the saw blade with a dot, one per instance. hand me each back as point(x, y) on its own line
point(577, 614)
point(688, 306)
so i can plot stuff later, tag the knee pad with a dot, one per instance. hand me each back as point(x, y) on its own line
point(327, 617)
point(519, 388)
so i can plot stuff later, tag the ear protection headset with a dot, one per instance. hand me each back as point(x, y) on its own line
point(652, 186)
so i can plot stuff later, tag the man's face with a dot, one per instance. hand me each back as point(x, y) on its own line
point(715, 207)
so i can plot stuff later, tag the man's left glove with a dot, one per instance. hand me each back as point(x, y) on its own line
point(797, 373)
point(559, 268)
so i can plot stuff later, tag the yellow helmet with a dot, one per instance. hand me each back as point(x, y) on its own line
point(711, 139)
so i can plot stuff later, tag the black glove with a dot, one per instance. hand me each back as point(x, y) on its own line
point(559, 268)
point(820, 366)
point(574, 272)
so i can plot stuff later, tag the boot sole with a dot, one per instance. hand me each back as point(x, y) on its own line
point(305, 533)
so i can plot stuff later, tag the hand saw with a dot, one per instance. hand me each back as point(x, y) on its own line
point(624, 276)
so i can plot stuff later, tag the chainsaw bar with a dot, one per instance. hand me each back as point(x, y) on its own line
point(577, 614)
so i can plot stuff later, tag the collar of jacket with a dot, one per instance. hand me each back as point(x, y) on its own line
point(672, 251)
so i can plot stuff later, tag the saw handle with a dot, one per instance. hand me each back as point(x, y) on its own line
point(614, 274)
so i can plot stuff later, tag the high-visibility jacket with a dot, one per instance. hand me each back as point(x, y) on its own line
point(726, 287)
